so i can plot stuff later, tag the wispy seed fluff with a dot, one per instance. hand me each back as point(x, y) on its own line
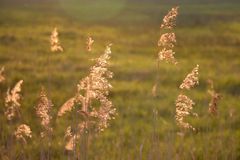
point(89, 43)
point(184, 105)
point(23, 132)
point(167, 40)
point(215, 97)
point(191, 79)
point(169, 20)
point(54, 41)
point(12, 101)
point(2, 77)
point(43, 109)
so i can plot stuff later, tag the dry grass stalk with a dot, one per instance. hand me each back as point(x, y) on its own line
point(184, 105)
point(43, 109)
point(2, 77)
point(167, 40)
point(89, 43)
point(54, 41)
point(191, 79)
point(23, 131)
point(12, 101)
point(94, 87)
point(215, 97)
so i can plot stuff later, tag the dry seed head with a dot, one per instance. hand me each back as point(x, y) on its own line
point(191, 79)
point(89, 43)
point(167, 55)
point(68, 132)
point(169, 20)
point(43, 109)
point(12, 101)
point(215, 97)
point(66, 107)
point(167, 40)
point(54, 41)
point(70, 144)
point(94, 87)
point(184, 105)
point(2, 77)
point(23, 131)
point(73, 137)
point(154, 90)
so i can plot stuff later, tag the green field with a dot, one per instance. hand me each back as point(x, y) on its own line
point(208, 34)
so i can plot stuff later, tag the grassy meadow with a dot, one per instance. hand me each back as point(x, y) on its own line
point(208, 34)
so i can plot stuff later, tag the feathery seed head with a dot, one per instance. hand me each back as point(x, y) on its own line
point(191, 79)
point(167, 55)
point(167, 40)
point(89, 43)
point(54, 41)
point(43, 109)
point(184, 105)
point(215, 97)
point(67, 106)
point(23, 131)
point(12, 101)
point(169, 20)
point(94, 87)
point(2, 77)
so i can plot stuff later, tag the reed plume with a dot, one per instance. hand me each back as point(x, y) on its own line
point(54, 41)
point(43, 109)
point(66, 107)
point(23, 132)
point(169, 21)
point(89, 43)
point(73, 136)
point(215, 97)
point(167, 40)
point(184, 105)
point(12, 101)
point(191, 79)
point(2, 77)
point(94, 87)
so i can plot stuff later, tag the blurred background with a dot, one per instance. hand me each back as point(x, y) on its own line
point(208, 34)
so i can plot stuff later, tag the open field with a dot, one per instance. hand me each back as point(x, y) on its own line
point(208, 34)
